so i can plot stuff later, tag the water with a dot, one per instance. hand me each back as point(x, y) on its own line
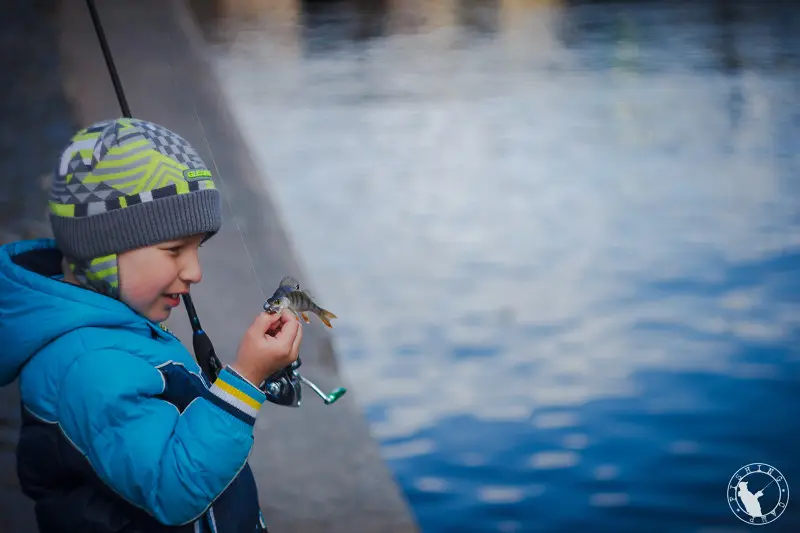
point(563, 241)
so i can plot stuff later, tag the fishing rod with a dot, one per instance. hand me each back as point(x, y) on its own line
point(284, 386)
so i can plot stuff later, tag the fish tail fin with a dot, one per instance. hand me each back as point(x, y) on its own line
point(326, 317)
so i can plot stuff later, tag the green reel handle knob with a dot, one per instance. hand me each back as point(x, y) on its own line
point(327, 398)
point(335, 395)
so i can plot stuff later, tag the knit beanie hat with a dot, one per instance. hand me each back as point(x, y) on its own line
point(124, 184)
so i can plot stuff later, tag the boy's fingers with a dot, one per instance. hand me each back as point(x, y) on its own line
point(267, 321)
point(296, 344)
point(288, 332)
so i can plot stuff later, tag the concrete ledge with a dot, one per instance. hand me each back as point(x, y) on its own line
point(35, 119)
point(318, 468)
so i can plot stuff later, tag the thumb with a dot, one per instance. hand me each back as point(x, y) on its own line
point(264, 321)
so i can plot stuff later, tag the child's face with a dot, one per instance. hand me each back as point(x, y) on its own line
point(148, 276)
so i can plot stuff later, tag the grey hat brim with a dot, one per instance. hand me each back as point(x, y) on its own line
point(140, 225)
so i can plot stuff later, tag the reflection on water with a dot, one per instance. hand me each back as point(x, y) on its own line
point(562, 240)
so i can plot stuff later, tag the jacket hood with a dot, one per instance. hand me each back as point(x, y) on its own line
point(36, 307)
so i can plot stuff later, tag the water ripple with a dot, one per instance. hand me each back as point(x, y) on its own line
point(609, 499)
point(550, 460)
point(606, 472)
point(432, 484)
point(493, 494)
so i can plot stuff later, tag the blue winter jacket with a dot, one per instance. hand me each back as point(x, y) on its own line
point(121, 431)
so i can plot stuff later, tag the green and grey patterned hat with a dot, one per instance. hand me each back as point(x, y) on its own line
point(124, 184)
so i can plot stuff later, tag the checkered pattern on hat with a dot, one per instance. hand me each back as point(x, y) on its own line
point(118, 163)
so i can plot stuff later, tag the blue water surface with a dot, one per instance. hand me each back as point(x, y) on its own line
point(562, 238)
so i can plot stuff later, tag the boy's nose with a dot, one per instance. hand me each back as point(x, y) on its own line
point(191, 271)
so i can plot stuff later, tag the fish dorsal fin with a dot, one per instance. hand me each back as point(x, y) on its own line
point(289, 281)
point(308, 293)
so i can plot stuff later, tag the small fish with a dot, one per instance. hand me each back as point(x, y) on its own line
point(289, 296)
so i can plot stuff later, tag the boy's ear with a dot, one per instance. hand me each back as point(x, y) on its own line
point(69, 275)
point(65, 269)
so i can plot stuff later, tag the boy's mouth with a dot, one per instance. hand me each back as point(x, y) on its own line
point(174, 299)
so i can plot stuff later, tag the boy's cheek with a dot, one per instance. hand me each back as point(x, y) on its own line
point(138, 298)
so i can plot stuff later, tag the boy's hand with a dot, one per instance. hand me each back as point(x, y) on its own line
point(269, 344)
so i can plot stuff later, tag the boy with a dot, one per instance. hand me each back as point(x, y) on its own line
point(121, 431)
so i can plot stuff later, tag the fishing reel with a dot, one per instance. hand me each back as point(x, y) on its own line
point(283, 387)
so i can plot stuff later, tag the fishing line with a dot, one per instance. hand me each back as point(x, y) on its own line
point(228, 201)
point(123, 103)
point(767, 485)
point(203, 348)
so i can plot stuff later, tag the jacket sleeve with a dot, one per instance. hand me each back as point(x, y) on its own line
point(171, 464)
